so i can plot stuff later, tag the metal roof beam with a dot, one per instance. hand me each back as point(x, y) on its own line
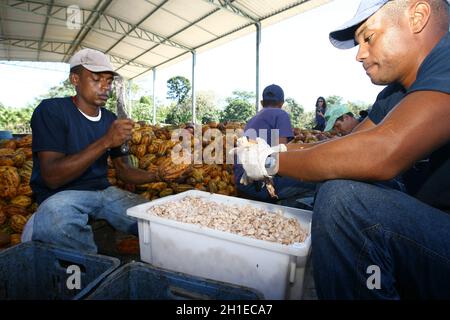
point(3, 31)
point(137, 25)
point(107, 22)
point(228, 5)
point(58, 47)
point(100, 7)
point(173, 35)
point(44, 30)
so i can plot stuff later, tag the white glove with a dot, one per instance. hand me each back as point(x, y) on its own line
point(253, 157)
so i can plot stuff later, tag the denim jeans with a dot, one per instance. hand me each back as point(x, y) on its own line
point(371, 242)
point(287, 189)
point(62, 219)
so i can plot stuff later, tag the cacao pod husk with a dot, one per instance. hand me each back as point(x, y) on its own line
point(27, 152)
point(18, 222)
point(136, 137)
point(22, 201)
point(9, 144)
point(7, 160)
point(19, 158)
point(166, 192)
point(7, 151)
point(13, 210)
point(9, 181)
point(25, 142)
point(212, 187)
point(3, 217)
point(128, 246)
point(133, 161)
point(24, 189)
point(146, 160)
point(33, 208)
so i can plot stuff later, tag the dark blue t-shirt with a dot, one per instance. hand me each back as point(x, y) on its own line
point(261, 125)
point(433, 75)
point(59, 126)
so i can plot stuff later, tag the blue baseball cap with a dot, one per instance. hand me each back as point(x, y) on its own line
point(273, 93)
point(344, 36)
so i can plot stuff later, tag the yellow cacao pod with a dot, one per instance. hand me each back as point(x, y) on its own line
point(18, 222)
point(24, 189)
point(13, 210)
point(166, 192)
point(22, 201)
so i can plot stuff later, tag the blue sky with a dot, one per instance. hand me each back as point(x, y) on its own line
point(295, 54)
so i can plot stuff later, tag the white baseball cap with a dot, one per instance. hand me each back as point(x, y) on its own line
point(344, 36)
point(93, 60)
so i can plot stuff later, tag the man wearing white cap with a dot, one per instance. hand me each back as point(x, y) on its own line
point(72, 140)
point(368, 241)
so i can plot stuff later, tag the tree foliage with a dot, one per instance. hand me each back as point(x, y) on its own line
point(206, 110)
point(178, 89)
point(295, 111)
point(240, 107)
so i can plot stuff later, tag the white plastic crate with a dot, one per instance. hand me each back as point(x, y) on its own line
point(274, 269)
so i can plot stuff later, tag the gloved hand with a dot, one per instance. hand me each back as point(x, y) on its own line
point(255, 159)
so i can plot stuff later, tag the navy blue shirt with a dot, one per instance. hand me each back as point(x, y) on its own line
point(433, 75)
point(57, 125)
point(261, 125)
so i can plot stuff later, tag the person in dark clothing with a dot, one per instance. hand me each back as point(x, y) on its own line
point(72, 140)
point(370, 241)
point(321, 109)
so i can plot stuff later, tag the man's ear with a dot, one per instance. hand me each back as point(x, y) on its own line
point(74, 79)
point(419, 15)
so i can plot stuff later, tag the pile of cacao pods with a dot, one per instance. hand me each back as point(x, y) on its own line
point(151, 147)
point(311, 136)
point(16, 197)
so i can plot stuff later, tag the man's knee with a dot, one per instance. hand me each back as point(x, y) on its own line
point(333, 197)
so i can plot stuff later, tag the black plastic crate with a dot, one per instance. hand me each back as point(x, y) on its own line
point(33, 270)
point(141, 281)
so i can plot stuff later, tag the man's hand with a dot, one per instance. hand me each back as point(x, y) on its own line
point(119, 132)
point(254, 156)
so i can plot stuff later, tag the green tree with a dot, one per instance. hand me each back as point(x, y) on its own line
point(62, 90)
point(295, 111)
point(334, 100)
point(206, 111)
point(239, 107)
point(16, 120)
point(178, 89)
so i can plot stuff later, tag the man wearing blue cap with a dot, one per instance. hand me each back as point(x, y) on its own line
point(372, 242)
point(274, 126)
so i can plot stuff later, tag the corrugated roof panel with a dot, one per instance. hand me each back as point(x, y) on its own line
point(189, 11)
point(86, 4)
point(199, 24)
point(24, 30)
point(263, 8)
point(164, 23)
point(58, 33)
point(167, 51)
point(139, 43)
point(222, 22)
point(132, 11)
point(99, 41)
point(126, 50)
point(194, 36)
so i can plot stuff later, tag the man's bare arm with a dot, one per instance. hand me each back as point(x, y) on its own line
point(416, 127)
